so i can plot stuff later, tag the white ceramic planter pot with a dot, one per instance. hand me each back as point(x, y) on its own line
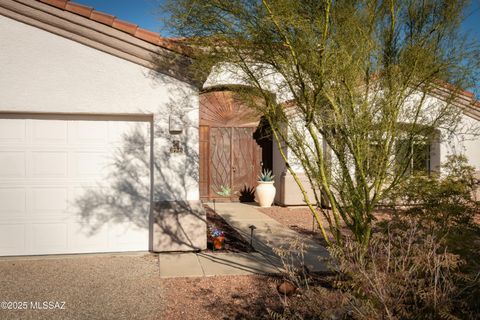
point(265, 193)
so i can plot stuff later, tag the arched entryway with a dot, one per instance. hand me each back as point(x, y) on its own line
point(230, 155)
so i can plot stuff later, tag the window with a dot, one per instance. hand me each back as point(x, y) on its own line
point(420, 157)
point(417, 154)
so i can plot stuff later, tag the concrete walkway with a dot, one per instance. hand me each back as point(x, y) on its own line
point(269, 236)
point(206, 264)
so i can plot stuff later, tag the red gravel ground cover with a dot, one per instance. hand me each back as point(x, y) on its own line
point(222, 297)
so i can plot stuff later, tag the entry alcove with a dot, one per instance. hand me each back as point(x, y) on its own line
point(232, 152)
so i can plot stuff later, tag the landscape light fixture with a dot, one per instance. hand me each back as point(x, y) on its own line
point(252, 227)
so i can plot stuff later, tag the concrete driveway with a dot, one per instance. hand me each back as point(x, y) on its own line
point(81, 287)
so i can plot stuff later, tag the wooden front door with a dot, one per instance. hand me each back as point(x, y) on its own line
point(234, 162)
point(229, 154)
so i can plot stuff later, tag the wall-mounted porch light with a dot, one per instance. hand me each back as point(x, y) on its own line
point(175, 124)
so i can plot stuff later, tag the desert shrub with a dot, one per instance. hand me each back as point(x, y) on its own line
point(292, 260)
point(315, 303)
point(314, 297)
point(423, 261)
point(406, 273)
point(447, 206)
point(444, 202)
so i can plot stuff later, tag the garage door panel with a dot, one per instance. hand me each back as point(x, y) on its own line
point(117, 131)
point(12, 202)
point(83, 191)
point(126, 235)
point(49, 164)
point(12, 238)
point(12, 130)
point(89, 132)
point(49, 201)
point(83, 239)
point(49, 132)
point(90, 202)
point(60, 191)
point(12, 164)
point(49, 237)
point(91, 164)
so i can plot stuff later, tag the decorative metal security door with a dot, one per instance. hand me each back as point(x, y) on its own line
point(229, 155)
point(220, 161)
point(235, 160)
point(246, 161)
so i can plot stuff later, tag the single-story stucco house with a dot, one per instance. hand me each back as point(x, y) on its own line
point(102, 150)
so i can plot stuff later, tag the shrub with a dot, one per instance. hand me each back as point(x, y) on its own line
point(446, 201)
point(405, 274)
point(422, 262)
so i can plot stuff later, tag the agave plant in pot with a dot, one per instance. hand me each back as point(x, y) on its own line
point(265, 191)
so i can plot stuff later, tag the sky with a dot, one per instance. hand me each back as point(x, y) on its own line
point(472, 21)
point(146, 13)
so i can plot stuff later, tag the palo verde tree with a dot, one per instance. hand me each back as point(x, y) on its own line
point(346, 86)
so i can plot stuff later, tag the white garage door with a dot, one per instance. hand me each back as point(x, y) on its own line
point(73, 185)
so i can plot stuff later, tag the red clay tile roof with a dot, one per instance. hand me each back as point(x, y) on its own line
point(112, 21)
point(462, 97)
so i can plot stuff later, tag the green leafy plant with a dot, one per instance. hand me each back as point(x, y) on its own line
point(225, 191)
point(266, 176)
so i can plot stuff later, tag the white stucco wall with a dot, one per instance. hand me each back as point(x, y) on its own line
point(46, 73)
point(232, 74)
point(466, 141)
point(465, 138)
